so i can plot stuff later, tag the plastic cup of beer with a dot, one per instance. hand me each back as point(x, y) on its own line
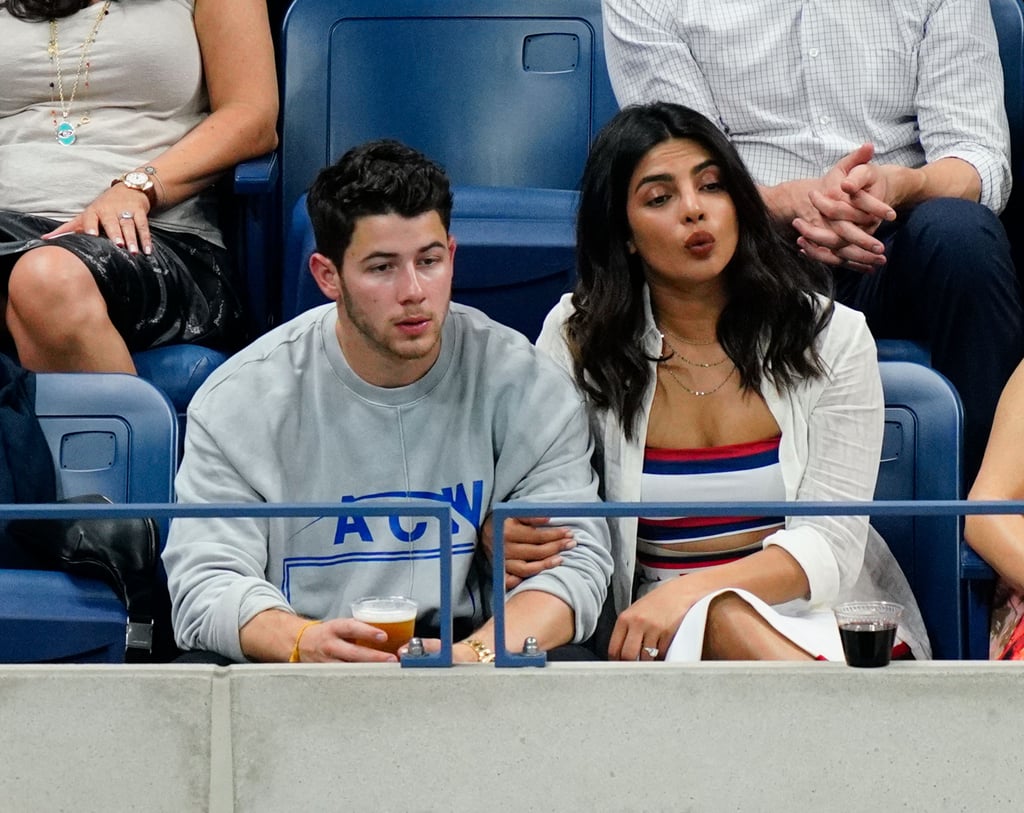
point(394, 615)
point(868, 631)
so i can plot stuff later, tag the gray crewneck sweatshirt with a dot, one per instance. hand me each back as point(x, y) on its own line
point(287, 420)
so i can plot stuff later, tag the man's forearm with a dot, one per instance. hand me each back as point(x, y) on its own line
point(945, 178)
point(530, 613)
point(270, 635)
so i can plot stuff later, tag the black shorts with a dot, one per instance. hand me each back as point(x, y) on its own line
point(181, 292)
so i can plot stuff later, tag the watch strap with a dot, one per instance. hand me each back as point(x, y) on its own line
point(484, 654)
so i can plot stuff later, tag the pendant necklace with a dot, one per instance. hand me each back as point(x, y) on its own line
point(64, 130)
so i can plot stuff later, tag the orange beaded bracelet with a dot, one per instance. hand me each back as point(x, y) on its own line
point(295, 657)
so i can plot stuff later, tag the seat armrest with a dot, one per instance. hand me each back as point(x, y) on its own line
point(257, 176)
point(972, 566)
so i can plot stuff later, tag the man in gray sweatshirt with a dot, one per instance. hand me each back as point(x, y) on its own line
point(392, 392)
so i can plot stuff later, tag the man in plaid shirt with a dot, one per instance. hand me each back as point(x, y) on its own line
point(877, 131)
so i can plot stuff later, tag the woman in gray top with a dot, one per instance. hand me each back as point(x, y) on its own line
point(115, 118)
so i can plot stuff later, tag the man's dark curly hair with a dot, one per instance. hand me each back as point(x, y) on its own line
point(376, 178)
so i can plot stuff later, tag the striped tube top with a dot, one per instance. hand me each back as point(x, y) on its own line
point(746, 471)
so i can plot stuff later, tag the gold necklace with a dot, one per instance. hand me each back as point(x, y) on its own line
point(699, 393)
point(64, 131)
point(681, 357)
point(690, 342)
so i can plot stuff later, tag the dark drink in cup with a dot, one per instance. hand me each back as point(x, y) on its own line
point(867, 630)
point(866, 643)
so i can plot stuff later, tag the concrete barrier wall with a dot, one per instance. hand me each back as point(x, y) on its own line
point(594, 737)
point(113, 738)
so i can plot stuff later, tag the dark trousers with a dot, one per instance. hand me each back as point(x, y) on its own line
point(949, 282)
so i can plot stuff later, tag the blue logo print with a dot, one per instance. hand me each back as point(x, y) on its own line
point(468, 508)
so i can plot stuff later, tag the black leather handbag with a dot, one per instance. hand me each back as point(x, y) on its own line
point(124, 553)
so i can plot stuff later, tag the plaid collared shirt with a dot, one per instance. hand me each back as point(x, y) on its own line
point(797, 84)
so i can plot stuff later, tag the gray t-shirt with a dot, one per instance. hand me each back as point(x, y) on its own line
point(287, 420)
point(145, 92)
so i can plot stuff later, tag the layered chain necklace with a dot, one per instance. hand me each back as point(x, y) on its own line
point(681, 357)
point(701, 364)
point(64, 130)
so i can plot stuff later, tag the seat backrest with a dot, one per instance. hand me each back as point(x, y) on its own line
point(507, 95)
point(503, 93)
point(109, 434)
point(1008, 17)
point(1009, 22)
point(921, 460)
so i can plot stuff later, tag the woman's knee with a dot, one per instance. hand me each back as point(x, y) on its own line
point(51, 279)
point(728, 619)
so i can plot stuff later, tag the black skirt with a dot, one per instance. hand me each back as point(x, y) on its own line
point(181, 293)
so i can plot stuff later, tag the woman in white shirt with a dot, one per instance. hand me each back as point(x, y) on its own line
point(717, 367)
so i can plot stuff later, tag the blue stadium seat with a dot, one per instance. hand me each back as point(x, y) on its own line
point(178, 370)
point(921, 460)
point(1008, 17)
point(976, 577)
point(506, 95)
point(502, 93)
point(1009, 22)
point(904, 350)
point(111, 434)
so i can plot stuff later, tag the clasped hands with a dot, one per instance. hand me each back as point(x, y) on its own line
point(123, 215)
point(837, 215)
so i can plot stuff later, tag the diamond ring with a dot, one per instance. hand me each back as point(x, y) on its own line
point(127, 216)
point(652, 651)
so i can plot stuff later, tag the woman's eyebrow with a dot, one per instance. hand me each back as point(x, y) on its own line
point(667, 176)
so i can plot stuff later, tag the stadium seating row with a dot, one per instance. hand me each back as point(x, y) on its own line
point(117, 435)
point(508, 97)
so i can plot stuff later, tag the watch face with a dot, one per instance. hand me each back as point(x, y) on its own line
point(137, 179)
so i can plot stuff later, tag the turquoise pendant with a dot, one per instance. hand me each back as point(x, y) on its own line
point(66, 133)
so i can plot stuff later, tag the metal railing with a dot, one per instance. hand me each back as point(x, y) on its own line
point(441, 513)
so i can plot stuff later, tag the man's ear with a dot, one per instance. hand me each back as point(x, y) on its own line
point(451, 248)
point(326, 275)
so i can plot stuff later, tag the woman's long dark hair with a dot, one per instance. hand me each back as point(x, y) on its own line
point(771, 321)
point(37, 10)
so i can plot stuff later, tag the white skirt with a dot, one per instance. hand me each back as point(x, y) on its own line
point(813, 630)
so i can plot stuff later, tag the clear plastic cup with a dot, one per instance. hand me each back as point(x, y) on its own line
point(868, 631)
point(394, 615)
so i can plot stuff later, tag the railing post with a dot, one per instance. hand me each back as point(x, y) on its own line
point(502, 657)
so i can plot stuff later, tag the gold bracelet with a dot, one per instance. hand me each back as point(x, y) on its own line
point(484, 654)
point(295, 657)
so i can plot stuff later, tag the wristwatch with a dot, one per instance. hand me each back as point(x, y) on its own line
point(140, 180)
